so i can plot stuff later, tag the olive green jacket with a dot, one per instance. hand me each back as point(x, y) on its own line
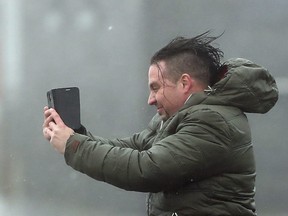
point(198, 162)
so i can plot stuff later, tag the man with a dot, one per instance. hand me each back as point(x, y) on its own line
point(196, 156)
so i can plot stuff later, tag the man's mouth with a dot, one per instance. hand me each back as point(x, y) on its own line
point(159, 109)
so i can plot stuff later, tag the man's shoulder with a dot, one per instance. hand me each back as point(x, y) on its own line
point(225, 111)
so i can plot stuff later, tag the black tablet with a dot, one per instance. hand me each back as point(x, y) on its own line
point(66, 101)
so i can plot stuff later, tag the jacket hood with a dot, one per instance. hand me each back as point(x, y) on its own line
point(245, 85)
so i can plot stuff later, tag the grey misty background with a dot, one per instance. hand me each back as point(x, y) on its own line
point(103, 47)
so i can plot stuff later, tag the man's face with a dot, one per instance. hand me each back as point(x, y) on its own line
point(166, 95)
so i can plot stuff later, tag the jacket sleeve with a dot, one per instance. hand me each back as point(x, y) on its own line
point(139, 141)
point(127, 143)
point(186, 155)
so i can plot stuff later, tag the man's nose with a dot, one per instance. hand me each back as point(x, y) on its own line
point(151, 99)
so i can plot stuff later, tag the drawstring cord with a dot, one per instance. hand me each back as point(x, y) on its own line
point(210, 90)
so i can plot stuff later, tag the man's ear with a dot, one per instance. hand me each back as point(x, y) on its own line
point(186, 81)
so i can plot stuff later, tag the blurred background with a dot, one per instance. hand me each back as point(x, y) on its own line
point(104, 47)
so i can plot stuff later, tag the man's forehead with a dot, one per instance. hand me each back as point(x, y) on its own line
point(155, 76)
point(157, 70)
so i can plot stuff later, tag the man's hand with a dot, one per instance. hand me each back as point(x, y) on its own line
point(55, 131)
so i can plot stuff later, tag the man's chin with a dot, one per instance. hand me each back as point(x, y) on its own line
point(163, 116)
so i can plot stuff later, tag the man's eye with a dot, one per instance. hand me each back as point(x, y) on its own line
point(155, 89)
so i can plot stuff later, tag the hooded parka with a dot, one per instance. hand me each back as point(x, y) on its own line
point(200, 161)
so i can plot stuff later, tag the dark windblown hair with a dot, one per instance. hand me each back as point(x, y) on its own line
point(195, 56)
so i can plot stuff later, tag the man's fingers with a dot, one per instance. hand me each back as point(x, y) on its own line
point(51, 115)
point(47, 120)
point(47, 112)
point(47, 133)
point(57, 118)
